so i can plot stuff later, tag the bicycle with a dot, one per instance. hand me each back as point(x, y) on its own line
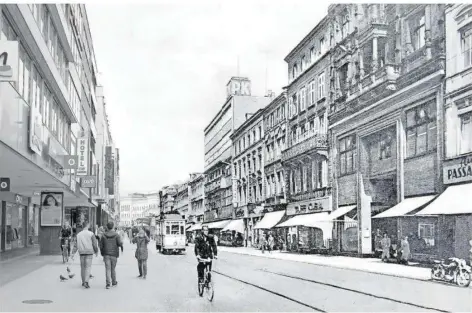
point(207, 283)
point(65, 250)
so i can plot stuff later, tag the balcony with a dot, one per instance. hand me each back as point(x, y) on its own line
point(311, 194)
point(307, 142)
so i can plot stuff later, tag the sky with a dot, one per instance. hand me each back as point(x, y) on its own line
point(165, 65)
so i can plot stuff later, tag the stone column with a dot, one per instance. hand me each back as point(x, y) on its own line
point(375, 63)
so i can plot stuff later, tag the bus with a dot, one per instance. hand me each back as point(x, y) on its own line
point(170, 233)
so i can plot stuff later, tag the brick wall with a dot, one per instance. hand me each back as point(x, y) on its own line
point(420, 175)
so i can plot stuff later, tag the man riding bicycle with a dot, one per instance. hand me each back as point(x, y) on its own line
point(66, 233)
point(205, 248)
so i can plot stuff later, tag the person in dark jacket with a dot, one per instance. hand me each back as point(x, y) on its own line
point(205, 248)
point(110, 242)
point(141, 240)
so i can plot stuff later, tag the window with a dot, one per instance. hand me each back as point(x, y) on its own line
point(302, 99)
point(305, 176)
point(347, 155)
point(426, 232)
point(312, 55)
point(421, 129)
point(385, 145)
point(294, 71)
point(321, 85)
point(322, 46)
point(466, 133)
point(312, 92)
point(466, 45)
point(418, 30)
point(342, 72)
point(302, 64)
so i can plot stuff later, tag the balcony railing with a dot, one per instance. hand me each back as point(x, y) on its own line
point(317, 141)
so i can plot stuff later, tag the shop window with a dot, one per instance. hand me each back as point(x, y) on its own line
point(385, 143)
point(322, 46)
point(347, 155)
point(421, 129)
point(466, 46)
point(466, 133)
point(426, 233)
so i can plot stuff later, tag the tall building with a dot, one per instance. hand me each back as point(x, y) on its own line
point(386, 122)
point(248, 173)
point(218, 180)
point(196, 197)
point(182, 200)
point(167, 198)
point(305, 159)
point(48, 115)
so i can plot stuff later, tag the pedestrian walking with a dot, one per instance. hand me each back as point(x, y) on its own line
point(405, 248)
point(271, 243)
point(87, 247)
point(110, 242)
point(264, 243)
point(385, 243)
point(141, 240)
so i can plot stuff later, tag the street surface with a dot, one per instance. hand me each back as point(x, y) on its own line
point(242, 283)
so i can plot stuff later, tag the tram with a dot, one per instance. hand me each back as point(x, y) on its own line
point(170, 233)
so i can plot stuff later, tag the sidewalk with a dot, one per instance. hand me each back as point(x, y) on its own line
point(370, 265)
point(16, 254)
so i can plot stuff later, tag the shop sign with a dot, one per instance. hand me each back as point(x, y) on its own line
point(458, 170)
point(9, 61)
point(51, 208)
point(70, 162)
point(88, 182)
point(312, 206)
point(4, 184)
point(83, 152)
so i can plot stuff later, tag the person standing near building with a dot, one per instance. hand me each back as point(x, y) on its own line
point(87, 247)
point(271, 243)
point(405, 248)
point(110, 242)
point(141, 240)
point(385, 244)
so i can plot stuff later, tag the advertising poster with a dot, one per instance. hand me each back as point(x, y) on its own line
point(82, 217)
point(51, 208)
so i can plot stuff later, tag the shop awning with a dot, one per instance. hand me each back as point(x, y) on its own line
point(195, 227)
point(405, 207)
point(308, 220)
point(270, 220)
point(236, 225)
point(217, 225)
point(342, 210)
point(454, 200)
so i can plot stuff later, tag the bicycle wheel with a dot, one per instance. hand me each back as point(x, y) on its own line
point(210, 291)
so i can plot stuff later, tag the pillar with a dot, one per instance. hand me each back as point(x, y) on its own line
point(375, 63)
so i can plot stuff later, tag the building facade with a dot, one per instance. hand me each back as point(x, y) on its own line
point(305, 159)
point(182, 200)
point(386, 129)
point(248, 173)
point(218, 176)
point(137, 206)
point(48, 112)
point(196, 197)
point(167, 198)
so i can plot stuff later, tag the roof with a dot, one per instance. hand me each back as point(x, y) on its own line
point(305, 40)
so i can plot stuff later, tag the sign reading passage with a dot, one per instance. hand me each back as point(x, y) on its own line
point(458, 170)
point(83, 152)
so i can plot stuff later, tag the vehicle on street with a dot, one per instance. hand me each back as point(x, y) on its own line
point(452, 270)
point(207, 284)
point(170, 233)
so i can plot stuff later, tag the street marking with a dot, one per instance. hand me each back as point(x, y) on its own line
point(357, 291)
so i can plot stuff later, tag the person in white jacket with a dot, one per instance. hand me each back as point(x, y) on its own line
point(87, 247)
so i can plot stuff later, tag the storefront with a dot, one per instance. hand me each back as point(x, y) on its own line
point(16, 221)
point(266, 226)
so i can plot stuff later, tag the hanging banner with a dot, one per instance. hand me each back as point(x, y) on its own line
point(51, 208)
point(83, 152)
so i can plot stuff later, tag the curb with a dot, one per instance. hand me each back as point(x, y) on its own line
point(334, 266)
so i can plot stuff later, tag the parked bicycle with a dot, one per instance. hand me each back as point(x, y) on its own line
point(207, 284)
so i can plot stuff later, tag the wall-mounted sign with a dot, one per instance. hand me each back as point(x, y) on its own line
point(311, 206)
point(71, 162)
point(239, 86)
point(4, 184)
point(83, 152)
point(88, 182)
point(51, 208)
point(8, 61)
point(458, 170)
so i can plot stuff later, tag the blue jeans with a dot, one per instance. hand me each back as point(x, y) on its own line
point(85, 267)
point(110, 266)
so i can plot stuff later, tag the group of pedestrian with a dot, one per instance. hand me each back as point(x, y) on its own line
point(268, 242)
point(108, 242)
point(402, 253)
